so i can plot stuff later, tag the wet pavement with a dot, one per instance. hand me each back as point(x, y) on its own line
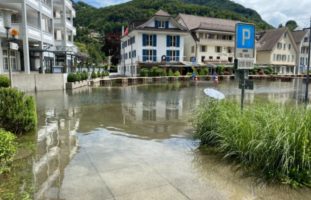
point(136, 143)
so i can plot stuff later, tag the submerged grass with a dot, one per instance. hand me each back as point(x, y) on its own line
point(269, 139)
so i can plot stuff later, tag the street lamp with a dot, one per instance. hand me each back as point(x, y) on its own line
point(7, 25)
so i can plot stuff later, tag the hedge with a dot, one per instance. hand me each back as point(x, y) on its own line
point(17, 111)
point(4, 81)
point(7, 150)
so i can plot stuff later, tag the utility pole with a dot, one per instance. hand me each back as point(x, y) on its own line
point(308, 68)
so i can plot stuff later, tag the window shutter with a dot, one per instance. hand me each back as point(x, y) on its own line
point(156, 23)
point(168, 56)
point(144, 55)
point(178, 41)
point(154, 40)
point(145, 38)
point(168, 41)
point(166, 24)
point(154, 53)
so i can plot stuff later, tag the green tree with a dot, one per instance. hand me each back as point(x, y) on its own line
point(291, 25)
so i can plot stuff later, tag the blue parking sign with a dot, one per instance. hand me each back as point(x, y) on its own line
point(245, 36)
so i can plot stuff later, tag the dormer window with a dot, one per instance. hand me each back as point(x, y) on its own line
point(161, 24)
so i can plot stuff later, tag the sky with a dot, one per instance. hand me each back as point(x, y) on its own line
point(274, 12)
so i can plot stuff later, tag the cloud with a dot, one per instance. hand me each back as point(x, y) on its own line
point(280, 11)
point(103, 3)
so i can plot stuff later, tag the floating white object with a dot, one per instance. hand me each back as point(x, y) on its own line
point(214, 93)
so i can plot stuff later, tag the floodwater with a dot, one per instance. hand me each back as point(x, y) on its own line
point(136, 143)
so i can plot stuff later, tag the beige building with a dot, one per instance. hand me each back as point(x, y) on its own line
point(302, 41)
point(277, 48)
point(211, 41)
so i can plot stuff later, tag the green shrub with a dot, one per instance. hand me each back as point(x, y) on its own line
point(144, 72)
point(78, 76)
point(4, 81)
point(84, 75)
point(93, 75)
point(170, 72)
point(71, 78)
point(7, 150)
point(17, 111)
point(98, 74)
point(271, 140)
point(177, 73)
point(189, 74)
point(203, 71)
point(268, 71)
point(106, 73)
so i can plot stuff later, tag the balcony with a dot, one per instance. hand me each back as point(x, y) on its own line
point(34, 3)
point(47, 10)
point(48, 38)
point(34, 33)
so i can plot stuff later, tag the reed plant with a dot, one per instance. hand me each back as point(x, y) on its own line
point(271, 140)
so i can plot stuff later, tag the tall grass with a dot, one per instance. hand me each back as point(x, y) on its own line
point(272, 140)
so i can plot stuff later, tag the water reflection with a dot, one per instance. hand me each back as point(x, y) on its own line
point(149, 113)
point(56, 145)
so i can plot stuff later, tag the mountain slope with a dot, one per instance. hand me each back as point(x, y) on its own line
point(108, 20)
point(111, 18)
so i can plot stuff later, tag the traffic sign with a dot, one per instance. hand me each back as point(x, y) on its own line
point(245, 41)
point(246, 63)
point(13, 46)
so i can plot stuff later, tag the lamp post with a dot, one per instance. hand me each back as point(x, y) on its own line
point(8, 26)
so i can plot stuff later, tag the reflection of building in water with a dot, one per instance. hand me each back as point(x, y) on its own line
point(56, 145)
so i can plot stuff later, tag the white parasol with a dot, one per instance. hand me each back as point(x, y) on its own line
point(214, 93)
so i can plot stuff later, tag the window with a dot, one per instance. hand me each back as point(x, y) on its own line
point(288, 58)
point(306, 39)
point(218, 49)
point(211, 36)
point(149, 55)
point(203, 48)
point(149, 40)
point(218, 57)
point(173, 41)
point(172, 55)
point(293, 58)
point(279, 45)
point(134, 54)
point(274, 57)
point(289, 46)
point(130, 54)
point(13, 60)
point(278, 57)
point(211, 57)
point(201, 35)
point(161, 24)
point(203, 59)
point(206, 35)
point(229, 49)
point(283, 57)
point(284, 46)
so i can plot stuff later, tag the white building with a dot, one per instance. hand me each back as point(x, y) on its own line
point(301, 38)
point(210, 42)
point(157, 42)
point(45, 35)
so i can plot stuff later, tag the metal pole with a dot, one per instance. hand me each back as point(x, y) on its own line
point(243, 89)
point(308, 68)
point(9, 55)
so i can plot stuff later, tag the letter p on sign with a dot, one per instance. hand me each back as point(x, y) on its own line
point(245, 36)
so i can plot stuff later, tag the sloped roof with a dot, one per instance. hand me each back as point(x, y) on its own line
point(162, 13)
point(299, 35)
point(197, 22)
point(270, 38)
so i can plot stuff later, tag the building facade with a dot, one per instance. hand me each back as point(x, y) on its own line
point(45, 37)
point(157, 42)
point(277, 48)
point(301, 38)
point(210, 40)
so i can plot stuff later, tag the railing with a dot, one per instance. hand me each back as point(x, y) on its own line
point(48, 38)
point(34, 32)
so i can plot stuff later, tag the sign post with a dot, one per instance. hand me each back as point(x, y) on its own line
point(244, 55)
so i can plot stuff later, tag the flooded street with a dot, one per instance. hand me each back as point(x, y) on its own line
point(137, 143)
